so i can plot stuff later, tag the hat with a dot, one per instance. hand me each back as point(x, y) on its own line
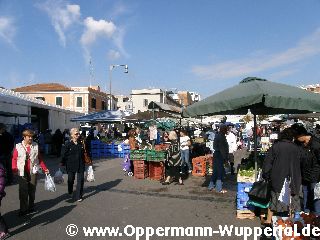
point(299, 130)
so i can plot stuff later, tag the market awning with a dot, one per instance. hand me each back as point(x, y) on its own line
point(103, 116)
point(148, 115)
point(165, 108)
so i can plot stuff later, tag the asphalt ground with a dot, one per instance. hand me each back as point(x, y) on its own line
point(116, 200)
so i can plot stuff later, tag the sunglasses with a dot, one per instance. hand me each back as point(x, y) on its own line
point(77, 134)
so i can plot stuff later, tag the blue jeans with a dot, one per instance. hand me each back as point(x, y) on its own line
point(309, 204)
point(185, 159)
point(218, 172)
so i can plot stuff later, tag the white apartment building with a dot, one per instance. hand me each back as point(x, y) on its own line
point(124, 103)
point(142, 97)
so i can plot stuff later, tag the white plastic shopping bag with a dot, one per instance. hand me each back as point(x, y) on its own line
point(90, 175)
point(49, 184)
point(317, 191)
point(58, 177)
point(285, 193)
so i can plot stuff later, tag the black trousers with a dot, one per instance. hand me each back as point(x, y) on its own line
point(80, 183)
point(27, 191)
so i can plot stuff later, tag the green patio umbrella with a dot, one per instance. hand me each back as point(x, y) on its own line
point(261, 97)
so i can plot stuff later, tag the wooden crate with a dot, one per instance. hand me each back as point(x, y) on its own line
point(245, 179)
point(245, 214)
point(140, 169)
point(156, 171)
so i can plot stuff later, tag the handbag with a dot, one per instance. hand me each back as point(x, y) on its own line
point(87, 159)
point(260, 192)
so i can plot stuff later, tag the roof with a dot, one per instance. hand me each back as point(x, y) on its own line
point(164, 107)
point(43, 87)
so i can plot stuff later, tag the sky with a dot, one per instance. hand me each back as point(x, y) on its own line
point(196, 45)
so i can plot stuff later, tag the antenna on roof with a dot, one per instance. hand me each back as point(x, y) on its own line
point(91, 72)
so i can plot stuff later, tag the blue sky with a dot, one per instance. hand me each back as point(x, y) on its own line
point(199, 45)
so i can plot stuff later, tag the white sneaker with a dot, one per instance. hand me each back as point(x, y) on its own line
point(190, 171)
point(80, 200)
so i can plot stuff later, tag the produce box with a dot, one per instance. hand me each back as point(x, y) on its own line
point(246, 174)
point(156, 156)
point(138, 155)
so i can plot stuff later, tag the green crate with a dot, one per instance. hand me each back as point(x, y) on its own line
point(156, 156)
point(138, 155)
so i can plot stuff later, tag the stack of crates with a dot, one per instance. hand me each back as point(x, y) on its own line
point(95, 149)
point(209, 166)
point(138, 155)
point(101, 149)
point(140, 169)
point(243, 210)
point(156, 170)
point(199, 166)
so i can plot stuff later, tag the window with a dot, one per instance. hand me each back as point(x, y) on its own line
point(93, 103)
point(125, 100)
point(145, 102)
point(59, 101)
point(41, 98)
point(79, 101)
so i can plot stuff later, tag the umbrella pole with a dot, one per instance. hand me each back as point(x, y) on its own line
point(255, 145)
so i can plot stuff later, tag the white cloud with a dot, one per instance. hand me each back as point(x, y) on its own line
point(306, 48)
point(62, 16)
point(7, 29)
point(113, 55)
point(94, 29)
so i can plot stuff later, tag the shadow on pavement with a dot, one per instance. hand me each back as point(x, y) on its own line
point(42, 219)
point(93, 190)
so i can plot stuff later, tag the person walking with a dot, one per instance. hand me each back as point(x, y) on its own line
point(6, 147)
point(232, 143)
point(173, 163)
point(26, 160)
point(283, 160)
point(57, 140)
point(4, 233)
point(73, 160)
point(185, 143)
point(220, 156)
point(310, 168)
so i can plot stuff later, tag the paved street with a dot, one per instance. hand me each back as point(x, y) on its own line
point(117, 200)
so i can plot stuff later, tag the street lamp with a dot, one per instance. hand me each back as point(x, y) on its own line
point(111, 67)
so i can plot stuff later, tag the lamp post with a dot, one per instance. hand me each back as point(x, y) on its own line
point(111, 67)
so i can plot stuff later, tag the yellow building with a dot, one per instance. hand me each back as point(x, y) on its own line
point(81, 99)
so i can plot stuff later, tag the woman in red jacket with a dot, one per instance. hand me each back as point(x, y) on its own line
point(26, 161)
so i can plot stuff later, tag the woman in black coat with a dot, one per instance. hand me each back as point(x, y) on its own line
point(73, 160)
point(284, 160)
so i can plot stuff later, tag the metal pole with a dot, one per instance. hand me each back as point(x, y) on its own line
point(255, 145)
point(110, 78)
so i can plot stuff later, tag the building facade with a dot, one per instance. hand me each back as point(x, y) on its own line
point(21, 109)
point(80, 99)
point(312, 88)
point(142, 97)
point(124, 103)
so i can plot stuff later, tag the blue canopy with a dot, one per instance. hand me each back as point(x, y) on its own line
point(103, 116)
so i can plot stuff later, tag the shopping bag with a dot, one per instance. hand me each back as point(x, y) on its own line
point(58, 177)
point(285, 193)
point(317, 191)
point(260, 192)
point(49, 184)
point(90, 175)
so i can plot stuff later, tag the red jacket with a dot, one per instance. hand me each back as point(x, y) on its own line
point(27, 165)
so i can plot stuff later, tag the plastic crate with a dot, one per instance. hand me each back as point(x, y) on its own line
point(138, 155)
point(244, 187)
point(156, 156)
point(156, 170)
point(199, 166)
point(140, 169)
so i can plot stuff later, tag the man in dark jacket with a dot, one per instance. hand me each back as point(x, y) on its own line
point(283, 160)
point(310, 168)
point(73, 159)
point(6, 147)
